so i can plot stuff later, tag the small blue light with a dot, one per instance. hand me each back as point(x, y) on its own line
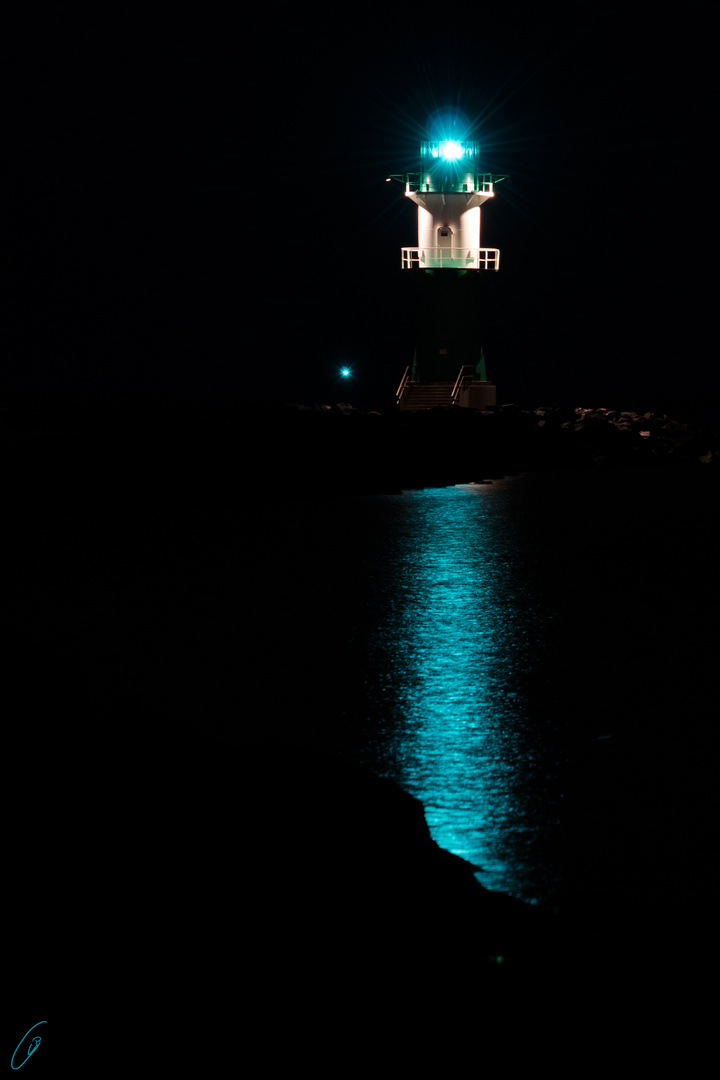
point(345, 372)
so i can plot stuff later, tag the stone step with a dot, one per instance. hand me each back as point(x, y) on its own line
point(426, 395)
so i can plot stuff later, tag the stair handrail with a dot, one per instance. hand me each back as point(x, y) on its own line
point(403, 383)
point(460, 379)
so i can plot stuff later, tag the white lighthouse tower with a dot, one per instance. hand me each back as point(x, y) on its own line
point(449, 191)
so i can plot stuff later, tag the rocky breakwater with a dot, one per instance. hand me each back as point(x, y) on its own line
point(608, 437)
point(327, 448)
point(70, 465)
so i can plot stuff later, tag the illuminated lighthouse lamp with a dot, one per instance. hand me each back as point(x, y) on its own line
point(449, 190)
point(449, 151)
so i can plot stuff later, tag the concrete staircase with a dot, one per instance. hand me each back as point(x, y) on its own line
point(426, 395)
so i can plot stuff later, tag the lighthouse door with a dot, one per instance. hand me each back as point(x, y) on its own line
point(444, 243)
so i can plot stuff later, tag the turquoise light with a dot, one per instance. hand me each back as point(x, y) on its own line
point(345, 372)
point(454, 650)
point(451, 151)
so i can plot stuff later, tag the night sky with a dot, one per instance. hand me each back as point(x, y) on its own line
point(199, 212)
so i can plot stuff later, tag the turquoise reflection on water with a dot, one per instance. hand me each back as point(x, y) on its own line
point(462, 632)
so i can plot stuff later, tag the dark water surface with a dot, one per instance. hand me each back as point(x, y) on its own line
point(534, 659)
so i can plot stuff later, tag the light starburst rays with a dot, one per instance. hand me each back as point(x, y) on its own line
point(493, 102)
point(397, 133)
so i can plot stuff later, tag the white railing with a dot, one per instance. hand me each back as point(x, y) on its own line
point(403, 383)
point(465, 182)
point(466, 372)
point(456, 258)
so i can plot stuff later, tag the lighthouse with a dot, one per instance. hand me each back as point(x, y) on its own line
point(449, 191)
